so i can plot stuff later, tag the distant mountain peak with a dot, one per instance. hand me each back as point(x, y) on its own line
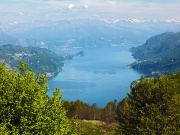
point(6, 39)
point(136, 20)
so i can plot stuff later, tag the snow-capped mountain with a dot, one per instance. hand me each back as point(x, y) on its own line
point(135, 20)
point(90, 32)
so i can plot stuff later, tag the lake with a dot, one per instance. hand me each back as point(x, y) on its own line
point(98, 77)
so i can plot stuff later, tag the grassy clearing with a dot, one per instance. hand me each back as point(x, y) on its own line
point(94, 127)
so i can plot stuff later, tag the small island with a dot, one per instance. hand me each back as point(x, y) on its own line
point(71, 56)
point(40, 60)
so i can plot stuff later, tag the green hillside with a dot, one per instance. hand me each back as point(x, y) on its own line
point(38, 59)
point(160, 54)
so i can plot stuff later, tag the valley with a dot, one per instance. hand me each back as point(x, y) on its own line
point(89, 67)
point(105, 51)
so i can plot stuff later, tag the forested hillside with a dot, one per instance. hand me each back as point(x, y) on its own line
point(38, 59)
point(159, 54)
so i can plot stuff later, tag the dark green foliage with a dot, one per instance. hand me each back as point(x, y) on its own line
point(122, 107)
point(80, 110)
point(109, 112)
point(158, 46)
point(26, 109)
point(152, 107)
point(160, 54)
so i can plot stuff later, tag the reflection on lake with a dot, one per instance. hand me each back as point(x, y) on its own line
point(98, 77)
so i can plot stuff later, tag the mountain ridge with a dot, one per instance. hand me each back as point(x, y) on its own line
point(6, 39)
point(39, 59)
point(159, 54)
point(89, 33)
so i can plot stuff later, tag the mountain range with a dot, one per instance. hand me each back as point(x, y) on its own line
point(24, 42)
point(57, 35)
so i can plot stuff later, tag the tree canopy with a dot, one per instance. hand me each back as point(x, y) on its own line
point(25, 107)
point(152, 107)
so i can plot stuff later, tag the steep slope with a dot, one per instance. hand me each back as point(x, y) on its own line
point(160, 54)
point(38, 59)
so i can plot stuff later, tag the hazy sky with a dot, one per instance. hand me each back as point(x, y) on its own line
point(33, 10)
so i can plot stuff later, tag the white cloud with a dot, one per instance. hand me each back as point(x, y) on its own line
point(31, 10)
point(71, 6)
point(21, 13)
point(86, 6)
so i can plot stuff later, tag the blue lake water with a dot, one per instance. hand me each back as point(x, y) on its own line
point(98, 77)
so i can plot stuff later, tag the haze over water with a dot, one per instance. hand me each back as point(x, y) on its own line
point(98, 77)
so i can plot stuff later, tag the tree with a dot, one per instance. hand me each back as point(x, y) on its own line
point(26, 109)
point(122, 107)
point(152, 107)
point(94, 108)
point(110, 112)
